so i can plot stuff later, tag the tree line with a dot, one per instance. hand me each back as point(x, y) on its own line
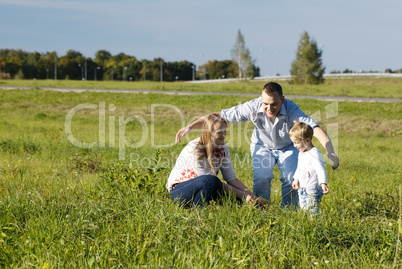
point(19, 64)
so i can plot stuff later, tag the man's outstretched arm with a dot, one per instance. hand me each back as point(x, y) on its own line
point(327, 144)
point(194, 125)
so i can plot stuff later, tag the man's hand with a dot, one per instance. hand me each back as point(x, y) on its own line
point(327, 144)
point(335, 159)
point(182, 132)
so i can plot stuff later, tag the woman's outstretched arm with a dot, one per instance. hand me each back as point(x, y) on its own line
point(197, 124)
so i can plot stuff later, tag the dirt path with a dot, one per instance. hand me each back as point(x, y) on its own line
point(323, 98)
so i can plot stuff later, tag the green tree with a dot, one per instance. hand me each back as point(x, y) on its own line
point(120, 57)
point(173, 71)
point(2, 66)
point(14, 62)
point(145, 70)
point(156, 67)
point(14, 66)
point(102, 57)
point(46, 64)
point(219, 69)
point(307, 68)
point(119, 63)
point(242, 56)
point(30, 68)
point(133, 69)
point(68, 65)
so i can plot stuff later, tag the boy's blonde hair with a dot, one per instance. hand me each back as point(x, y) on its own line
point(301, 131)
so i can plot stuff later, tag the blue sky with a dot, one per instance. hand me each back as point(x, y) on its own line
point(354, 34)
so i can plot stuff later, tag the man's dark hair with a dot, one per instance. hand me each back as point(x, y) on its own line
point(272, 87)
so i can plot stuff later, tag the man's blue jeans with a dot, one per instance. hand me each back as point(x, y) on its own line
point(264, 161)
point(198, 191)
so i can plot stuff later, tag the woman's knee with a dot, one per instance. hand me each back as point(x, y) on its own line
point(213, 181)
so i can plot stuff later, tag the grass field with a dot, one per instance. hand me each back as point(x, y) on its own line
point(106, 206)
point(345, 87)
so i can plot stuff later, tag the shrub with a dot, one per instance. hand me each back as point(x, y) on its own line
point(126, 176)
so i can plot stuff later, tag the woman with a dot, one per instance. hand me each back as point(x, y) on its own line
point(194, 180)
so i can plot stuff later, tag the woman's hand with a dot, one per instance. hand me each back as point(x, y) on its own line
point(258, 200)
point(249, 198)
point(182, 132)
point(197, 124)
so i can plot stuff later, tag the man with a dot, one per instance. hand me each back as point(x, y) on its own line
point(273, 116)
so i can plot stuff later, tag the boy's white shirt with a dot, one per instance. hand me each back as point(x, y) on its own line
point(310, 168)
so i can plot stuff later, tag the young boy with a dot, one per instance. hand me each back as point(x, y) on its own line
point(310, 178)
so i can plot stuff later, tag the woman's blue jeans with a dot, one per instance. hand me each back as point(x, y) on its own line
point(197, 191)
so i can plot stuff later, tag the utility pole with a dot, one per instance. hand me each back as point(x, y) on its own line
point(55, 67)
point(161, 72)
point(86, 73)
point(145, 69)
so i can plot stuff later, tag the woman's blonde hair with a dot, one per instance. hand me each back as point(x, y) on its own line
point(206, 145)
point(301, 131)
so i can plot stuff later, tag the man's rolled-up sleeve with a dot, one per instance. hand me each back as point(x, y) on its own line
point(243, 112)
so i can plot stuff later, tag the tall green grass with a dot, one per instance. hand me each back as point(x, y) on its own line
point(349, 87)
point(70, 207)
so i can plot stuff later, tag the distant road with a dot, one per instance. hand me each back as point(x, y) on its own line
point(323, 98)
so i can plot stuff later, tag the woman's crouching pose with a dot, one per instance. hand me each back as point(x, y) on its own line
point(193, 180)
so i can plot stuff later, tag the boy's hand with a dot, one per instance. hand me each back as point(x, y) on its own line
point(325, 188)
point(295, 184)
